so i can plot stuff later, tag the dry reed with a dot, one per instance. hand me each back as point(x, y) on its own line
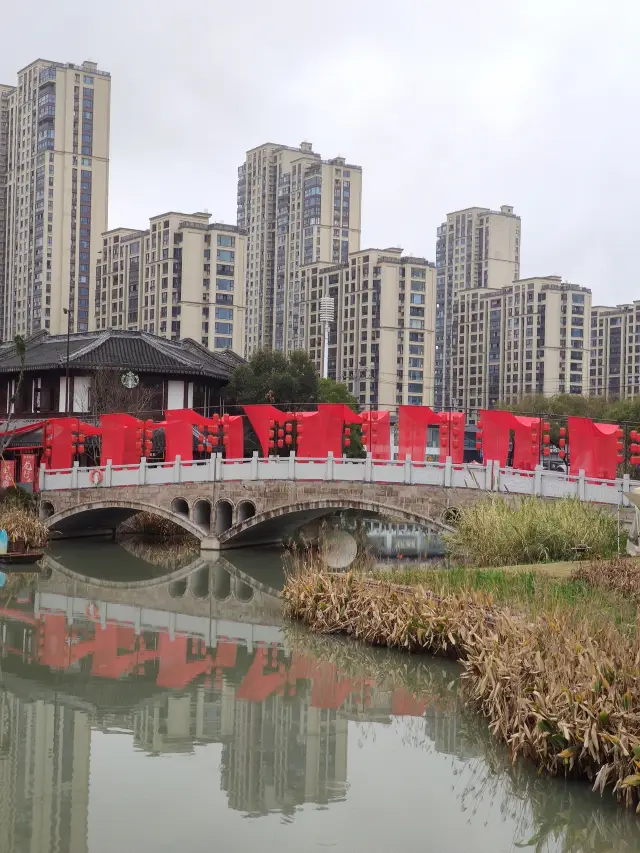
point(23, 526)
point(492, 532)
point(621, 576)
point(554, 689)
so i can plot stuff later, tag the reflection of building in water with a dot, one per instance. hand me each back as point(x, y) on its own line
point(443, 728)
point(278, 753)
point(44, 776)
point(284, 753)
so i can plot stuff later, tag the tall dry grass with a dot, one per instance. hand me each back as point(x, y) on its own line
point(23, 526)
point(492, 532)
point(556, 689)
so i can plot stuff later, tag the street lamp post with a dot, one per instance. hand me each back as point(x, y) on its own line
point(326, 318)
point(66, 384)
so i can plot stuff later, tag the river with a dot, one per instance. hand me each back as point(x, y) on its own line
point(152, 701)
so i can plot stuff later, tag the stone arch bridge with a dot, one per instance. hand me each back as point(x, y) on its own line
point(236, 514)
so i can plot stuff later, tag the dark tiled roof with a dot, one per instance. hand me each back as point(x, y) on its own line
point(139, 351)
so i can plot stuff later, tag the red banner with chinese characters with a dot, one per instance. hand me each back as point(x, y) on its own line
point(28, 468)
point(7, 473)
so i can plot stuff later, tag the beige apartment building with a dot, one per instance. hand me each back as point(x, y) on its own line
point(55, 128)
point(297, 209)
point(531, 337)
point(182, 277)
point(382, 342)
point(476, 249)
point(615, 351)
point(5, 92)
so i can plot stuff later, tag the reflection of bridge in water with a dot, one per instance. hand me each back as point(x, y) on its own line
point(176, 674)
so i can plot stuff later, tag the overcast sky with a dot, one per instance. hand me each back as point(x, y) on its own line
point(445, 105)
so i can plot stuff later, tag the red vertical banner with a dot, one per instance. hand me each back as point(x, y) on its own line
point(28, 468)
point(7, 473)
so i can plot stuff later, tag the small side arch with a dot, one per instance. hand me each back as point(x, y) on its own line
point(245, 510)
point(180, 507)
point(47, 509)
point(202, 514)
point(223, 516)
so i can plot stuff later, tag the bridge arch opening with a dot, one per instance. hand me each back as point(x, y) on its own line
point(221, 583)
point(246, 509)
point(202, 514)
point(180, 507)
point(199, 583)
point(177, 589)
point(224, 516)
point(47, 509)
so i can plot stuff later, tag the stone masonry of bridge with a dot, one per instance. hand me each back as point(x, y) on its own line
point(272, 504)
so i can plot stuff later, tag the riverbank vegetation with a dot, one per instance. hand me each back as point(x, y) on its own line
point(492, 532)
point(555, 672)
point(24, 528)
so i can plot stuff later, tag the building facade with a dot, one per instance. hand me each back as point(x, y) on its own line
point(168, 374)
point(531, 337)
point(55, 126)
point(615, 351)
point(476, 249)
point(382, 343)
point(183, 277)
point(297, 209)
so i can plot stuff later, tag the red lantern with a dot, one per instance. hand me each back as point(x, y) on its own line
point(200, 447)
point(288, 439)
point(347, 442)
point(280, 443)
point(563, 431)
point(546, 452)
point(271, 444)
point(289, 427)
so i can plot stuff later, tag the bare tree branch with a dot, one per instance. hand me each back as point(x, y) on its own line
point(108, 395)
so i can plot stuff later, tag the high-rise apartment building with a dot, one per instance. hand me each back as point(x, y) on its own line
point(531, 337)
point(297, 209)
point(183, 277)
point(56, 167)
point(5, 92)
point(615, 351)
point(382, 343)
point(476, 248)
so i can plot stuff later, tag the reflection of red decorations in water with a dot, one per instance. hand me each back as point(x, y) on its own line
point(117, 652)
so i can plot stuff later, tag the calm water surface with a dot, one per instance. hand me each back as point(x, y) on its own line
point(178, 713)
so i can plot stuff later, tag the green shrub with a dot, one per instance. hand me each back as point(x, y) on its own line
point(493, 532)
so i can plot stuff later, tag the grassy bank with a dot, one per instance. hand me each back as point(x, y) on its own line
point(597, 592)
point(554, 667)
point(493, 532)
